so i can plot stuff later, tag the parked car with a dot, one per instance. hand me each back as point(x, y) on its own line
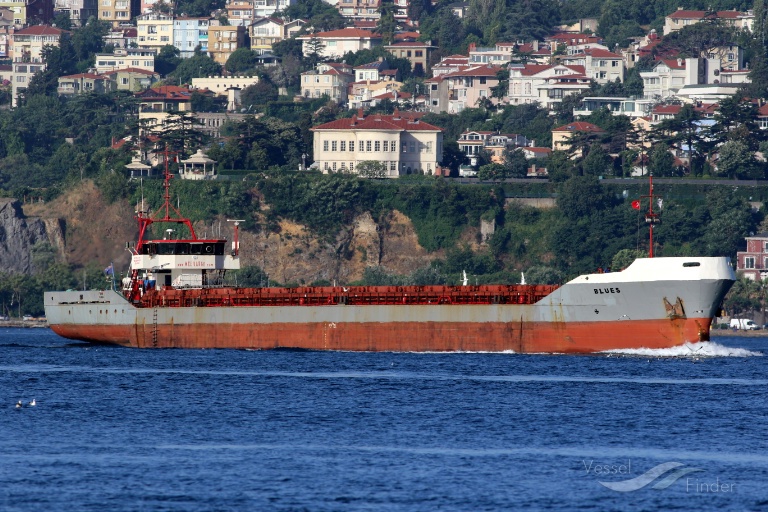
point(744, 324)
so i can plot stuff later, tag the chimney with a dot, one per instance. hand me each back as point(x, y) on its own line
point(360, 113)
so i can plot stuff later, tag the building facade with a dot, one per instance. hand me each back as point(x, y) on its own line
point(189, 33)
point(336, 43)
point(117, 12)
point(122, 58)
point(404, 144)
point(753, 263)
point(223, 40)
point(154, 30)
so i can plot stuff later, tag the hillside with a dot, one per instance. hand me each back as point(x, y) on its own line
point(96, 231)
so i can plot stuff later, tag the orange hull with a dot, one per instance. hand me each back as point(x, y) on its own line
point(528, 337)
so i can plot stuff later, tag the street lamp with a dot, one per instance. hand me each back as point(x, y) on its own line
point(303, 161)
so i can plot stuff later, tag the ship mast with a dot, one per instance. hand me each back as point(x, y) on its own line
point(145, 221)
point(651, 218)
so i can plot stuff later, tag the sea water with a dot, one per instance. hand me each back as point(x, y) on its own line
point(124, 429)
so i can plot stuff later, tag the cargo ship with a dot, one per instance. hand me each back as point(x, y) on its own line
point(174, 296)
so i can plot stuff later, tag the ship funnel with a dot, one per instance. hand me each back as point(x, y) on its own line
point(465, 280)
point(522, 277)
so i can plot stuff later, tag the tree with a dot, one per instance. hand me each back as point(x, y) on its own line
point(580, 196)
point(542, 274)
point(372, 169)
point(195, 67)
point(515, 163)
point(181, 132)
point(315, 47)
point(597, 162)
point(259, 94)
point(699, 40)
point(737, 161)
point(387, 26)
point(491, 171)
point(661, 162)
point(167, 60)
point(242, 61)
point(684, 132)
point(625, 258)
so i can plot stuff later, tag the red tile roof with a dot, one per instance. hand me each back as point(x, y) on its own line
point(698, 15)
point(396, 122)
point(476, 71)
point(595, 52)
point(167, 92)
point(666, 109)
point(40, 30)
point(579, 126)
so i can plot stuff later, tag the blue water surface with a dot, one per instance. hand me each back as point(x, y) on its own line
point(125, 429)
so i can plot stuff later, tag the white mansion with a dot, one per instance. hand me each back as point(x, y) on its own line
point(403, 142)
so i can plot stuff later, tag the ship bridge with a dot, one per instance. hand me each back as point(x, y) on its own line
point(183, 263)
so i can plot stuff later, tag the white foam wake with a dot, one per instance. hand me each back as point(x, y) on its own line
point(699, 349)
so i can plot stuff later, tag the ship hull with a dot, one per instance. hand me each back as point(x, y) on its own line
point(521, 337)
point(657, 303)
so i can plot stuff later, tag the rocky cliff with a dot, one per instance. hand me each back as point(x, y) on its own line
point(96, 232)
point(18, 234)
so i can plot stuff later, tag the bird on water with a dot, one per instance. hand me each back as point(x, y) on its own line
point(18, 404)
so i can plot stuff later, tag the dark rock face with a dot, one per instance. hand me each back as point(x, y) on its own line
point(17, 236)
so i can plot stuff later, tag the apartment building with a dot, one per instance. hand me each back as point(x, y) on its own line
point(546, 85)
point(118, 12)
point(223, 40)
point(121, 58)
point(154, 30)
point(189, 33)
point(265, 32)
point(336, 43)
point(28, 44)
point(327, 79)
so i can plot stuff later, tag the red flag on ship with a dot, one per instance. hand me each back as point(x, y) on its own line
point(636, 205)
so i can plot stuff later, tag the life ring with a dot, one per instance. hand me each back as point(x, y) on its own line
point(209, 249)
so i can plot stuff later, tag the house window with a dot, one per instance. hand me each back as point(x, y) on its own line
point(343, 145)
point(334, 166)
point(419, 53)
point(367, 145)
point(412, 147)
point(351, 166)
point(351, 145)
point(333, 145)
point(393, 166)
point(404, 147)
point(377, 146)
point(325, 166)
point(482, 80)
point(749, 262)
point(124, 81)
point(765, 263)
point(614, 63)
point(325, 145)
point(429, 147)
